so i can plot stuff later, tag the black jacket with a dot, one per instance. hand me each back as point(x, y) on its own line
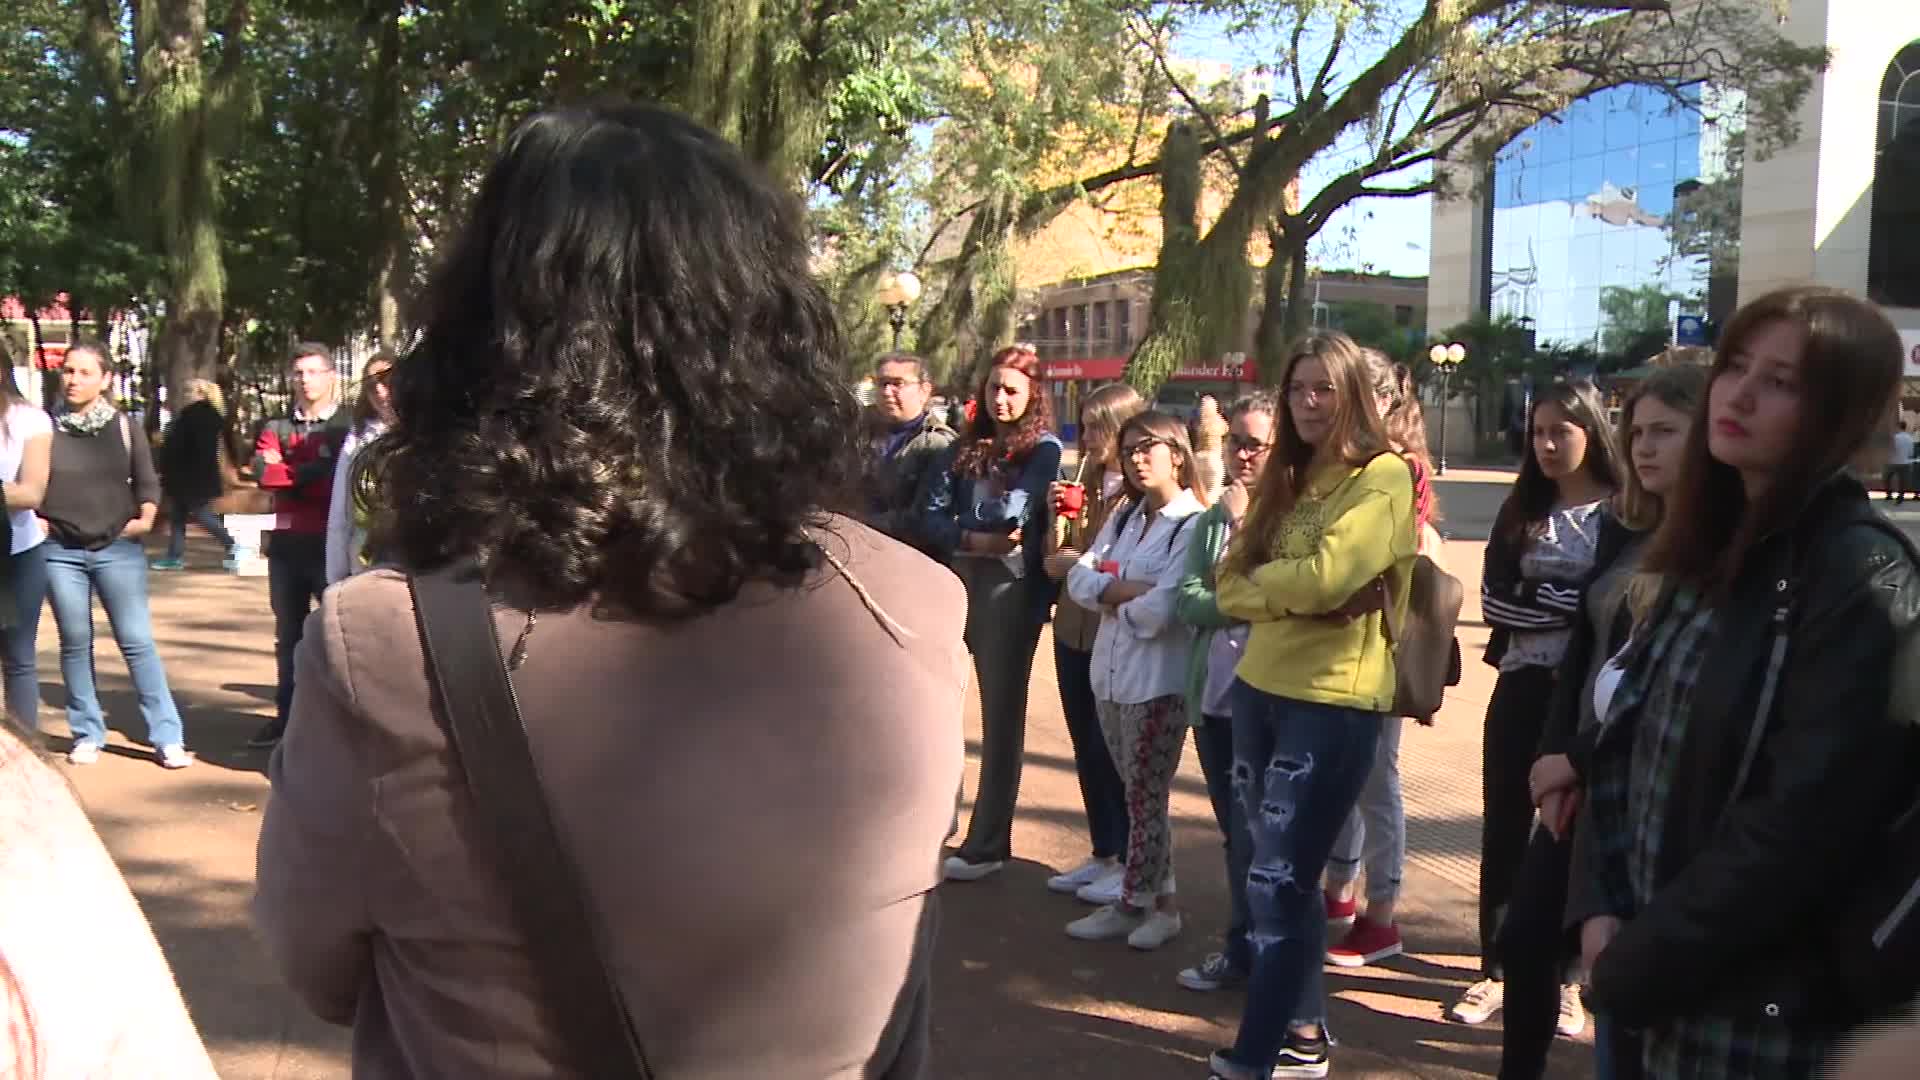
point(190, 458)
point(1741, 913)
point(1510, 601)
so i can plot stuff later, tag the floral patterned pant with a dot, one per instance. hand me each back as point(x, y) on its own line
point(1145, 741)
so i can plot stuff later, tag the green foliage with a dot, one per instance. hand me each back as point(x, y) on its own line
point(1635, 324)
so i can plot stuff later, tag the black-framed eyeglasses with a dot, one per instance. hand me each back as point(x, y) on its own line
point(1142, 447)
point(1240, 444)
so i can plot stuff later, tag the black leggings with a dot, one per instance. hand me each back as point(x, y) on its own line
point(1510, 742)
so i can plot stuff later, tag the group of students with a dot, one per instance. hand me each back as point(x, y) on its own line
point(1702, 732)
point(1254, 614)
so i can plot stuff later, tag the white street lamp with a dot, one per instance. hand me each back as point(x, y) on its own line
point(1446, 358)
point(898, 291)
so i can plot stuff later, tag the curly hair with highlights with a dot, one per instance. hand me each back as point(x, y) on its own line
point(984, 443)
point(627, 391)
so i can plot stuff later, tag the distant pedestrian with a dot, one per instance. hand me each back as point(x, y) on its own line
point(346, 526)
point(296, 456)
point(1897, 479)
point(191, 472)
point(102, 496)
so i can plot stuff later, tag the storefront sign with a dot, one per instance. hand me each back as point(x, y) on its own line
point(1112, 368)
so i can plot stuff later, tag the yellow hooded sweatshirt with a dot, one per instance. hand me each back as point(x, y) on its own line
point(1349, 527)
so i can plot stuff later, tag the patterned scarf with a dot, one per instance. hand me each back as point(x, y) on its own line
point(90, 420)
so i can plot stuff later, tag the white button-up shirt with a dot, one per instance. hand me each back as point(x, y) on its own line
point(1140, 652)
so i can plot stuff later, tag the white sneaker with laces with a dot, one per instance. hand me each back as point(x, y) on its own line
point(1106, 924)
point(173, 756)
point(1156, 930)
point(83, 753)
point(959, 869)
point(1480, 1002)
point(1105, 889)
point(1080, 876)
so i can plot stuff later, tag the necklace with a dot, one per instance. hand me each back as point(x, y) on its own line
point(518, 655)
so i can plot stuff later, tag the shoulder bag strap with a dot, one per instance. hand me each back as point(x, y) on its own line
point(475, 697)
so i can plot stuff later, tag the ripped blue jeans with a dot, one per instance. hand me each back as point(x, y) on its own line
point(1298, 768)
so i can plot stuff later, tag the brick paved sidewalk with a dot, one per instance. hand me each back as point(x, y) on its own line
point(1015, 996)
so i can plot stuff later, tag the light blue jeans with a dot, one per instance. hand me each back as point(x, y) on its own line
point(19, 657)
point(118, 573)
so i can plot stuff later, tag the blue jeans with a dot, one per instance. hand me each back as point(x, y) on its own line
point(20, 657)
point(1213, 741)
point(118, 573)
point(178, 511)
point(1298, 768)
point(1101, 790)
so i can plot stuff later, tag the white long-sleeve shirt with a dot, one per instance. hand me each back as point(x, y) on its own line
point(345, 539)
point(1140, 651)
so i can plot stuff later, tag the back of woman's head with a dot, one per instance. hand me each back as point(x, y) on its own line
point(627, 387)
point(1106, 409)
point(1851, 360)
point(1400, 413)
point(1683, 389)
point(1534, 492)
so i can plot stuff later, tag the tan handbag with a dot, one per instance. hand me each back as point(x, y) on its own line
point(1426, 655)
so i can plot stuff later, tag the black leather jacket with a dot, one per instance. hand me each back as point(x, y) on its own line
point(1746, 890)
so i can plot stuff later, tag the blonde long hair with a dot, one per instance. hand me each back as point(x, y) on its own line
point(1356, 437)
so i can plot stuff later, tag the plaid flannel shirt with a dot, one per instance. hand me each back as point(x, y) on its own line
point(1633, 776)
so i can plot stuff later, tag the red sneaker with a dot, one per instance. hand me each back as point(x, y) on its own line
point(1366, 943)
point(1342, 910)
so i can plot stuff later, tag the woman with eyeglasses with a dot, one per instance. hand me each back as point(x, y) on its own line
point(1375, 836)
point(1131, 575)
point(1217, 646)
point(988, 514)
point(1333, 519)
point(346, 527)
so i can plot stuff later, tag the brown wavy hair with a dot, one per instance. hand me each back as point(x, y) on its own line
point(1356, 437)
point(1850, 373)
point(983, 442)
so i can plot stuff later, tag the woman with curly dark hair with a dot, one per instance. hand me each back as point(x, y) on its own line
point(625, 414)
point(981, 515)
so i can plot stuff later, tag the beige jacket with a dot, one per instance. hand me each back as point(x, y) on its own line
point(757, 800)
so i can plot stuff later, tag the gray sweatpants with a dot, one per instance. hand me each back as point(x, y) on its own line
point(1375, 835)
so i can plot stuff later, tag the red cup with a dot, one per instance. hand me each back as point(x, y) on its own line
point(1071, 499)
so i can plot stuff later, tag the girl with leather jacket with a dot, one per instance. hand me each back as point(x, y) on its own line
point(1759, 732)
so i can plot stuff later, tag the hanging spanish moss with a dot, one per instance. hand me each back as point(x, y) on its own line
point(1202, 288)
point(975, 311)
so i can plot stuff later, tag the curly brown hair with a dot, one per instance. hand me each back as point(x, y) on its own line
point(628, 389)
point(983, 442)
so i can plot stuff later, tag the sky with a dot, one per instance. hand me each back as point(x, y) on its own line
point(1383, 235)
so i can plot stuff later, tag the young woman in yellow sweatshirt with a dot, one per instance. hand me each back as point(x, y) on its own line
point(1331, 522)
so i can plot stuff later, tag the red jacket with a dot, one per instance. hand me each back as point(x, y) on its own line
point(302, 480)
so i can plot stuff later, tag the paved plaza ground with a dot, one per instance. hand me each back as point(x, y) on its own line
point(1014, 996)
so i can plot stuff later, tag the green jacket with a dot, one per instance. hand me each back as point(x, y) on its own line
point(1195, 604)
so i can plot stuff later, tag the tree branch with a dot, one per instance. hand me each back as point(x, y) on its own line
point(1220, 144)
point(100, 42)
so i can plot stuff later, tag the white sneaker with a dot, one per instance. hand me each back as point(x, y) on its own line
point(1480, 1002)
point(1080, 876)
point(1573, 1015)
point(1108, 923)
point(173, 756)
point(1105, 889)
point(1159, 928)
point(959, 869)
point(83, 753)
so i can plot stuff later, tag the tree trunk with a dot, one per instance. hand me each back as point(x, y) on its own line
point(387, 186)
point(1285, 312)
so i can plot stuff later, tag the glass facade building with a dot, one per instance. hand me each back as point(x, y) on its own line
point(1581, 203)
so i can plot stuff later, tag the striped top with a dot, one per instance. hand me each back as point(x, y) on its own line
point(1558, 559)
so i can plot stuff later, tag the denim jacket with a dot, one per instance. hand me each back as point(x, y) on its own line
point(1012, 495)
